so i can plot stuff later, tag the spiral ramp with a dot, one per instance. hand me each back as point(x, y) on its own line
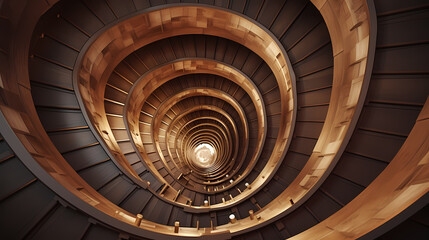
point(241, 119)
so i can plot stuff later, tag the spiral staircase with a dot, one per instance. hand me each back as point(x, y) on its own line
point(244, 119)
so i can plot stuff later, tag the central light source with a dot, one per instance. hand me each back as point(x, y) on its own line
point(204, 155)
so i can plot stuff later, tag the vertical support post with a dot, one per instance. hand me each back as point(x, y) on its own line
point(176, 226)
point(251, 215)
point(138, 220)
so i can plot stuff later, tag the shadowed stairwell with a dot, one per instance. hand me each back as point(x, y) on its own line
point(212, 119)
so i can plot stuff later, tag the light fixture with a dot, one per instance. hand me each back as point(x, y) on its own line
point(232, 218)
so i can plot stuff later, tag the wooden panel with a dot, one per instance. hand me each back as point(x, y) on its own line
point(92, 155)
point(67, 141)
point(230, 52)
point(386, 6)
point(53, 51)
point(273, 131)
point(101, 10)
point(308, 129)
point(127, 72)
point(263, 198)
point(147, 59)
point(117, 80)
point(315, 97)
point(4, 29)
point(270, 233)
point(139, 168)
point(157, 210)
point(238, 5)
point(271, 96)
point(49, 73)
point(313, 41)
point(158, 55)
point(63, 223)
point(211, 2)
point(298, 221)
point(415, 227)
point(269, 12)
point(268, 84)
point(100, 174)
point(241, 57)
point(244, 208)
point(114, 108)
point(303, 145)
point(53, 119)
point(200, 45)
point(322, 206)
point(210, 47)
point(116, 95)
point(251, 65)
point(402, 29)
point(133, 158)
point(122, 7)
point(392, 120)
point(154, 183)
point(13, 175)
point(126, 147)
point(312, 114)
point(221, 46)
point(287, 16)
point(286, 175)
point(374, 145)
point(273, 109)
point(134, 61)
point(141, 4)
point(221, 3)
point(315, 80)
point(44, 96)
point(386, 196)
point(100, 232)
point(204, 220)
point(294, 160)
point(16, 206)
point(253, 8)
point(340, 190)
point(5, 150)
point(222, 217)
point(117, 189)
point(359, 169)
point(407, 89)
point(317, 61)
point(86, 21)
point(188, 46)
point(137, 201)
point(308, 19)
point(407, 59)
point(275, 188)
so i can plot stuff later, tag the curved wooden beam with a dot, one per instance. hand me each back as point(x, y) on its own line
point(110, 47)
point(349, 26)
point(404, 181)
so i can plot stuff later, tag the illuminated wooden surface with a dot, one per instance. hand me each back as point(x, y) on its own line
point(181, 67)
point(20, 125)
point(197, 108)
point(403, 182)
point(350, 43)
point(98, 61)
point(31, 133)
